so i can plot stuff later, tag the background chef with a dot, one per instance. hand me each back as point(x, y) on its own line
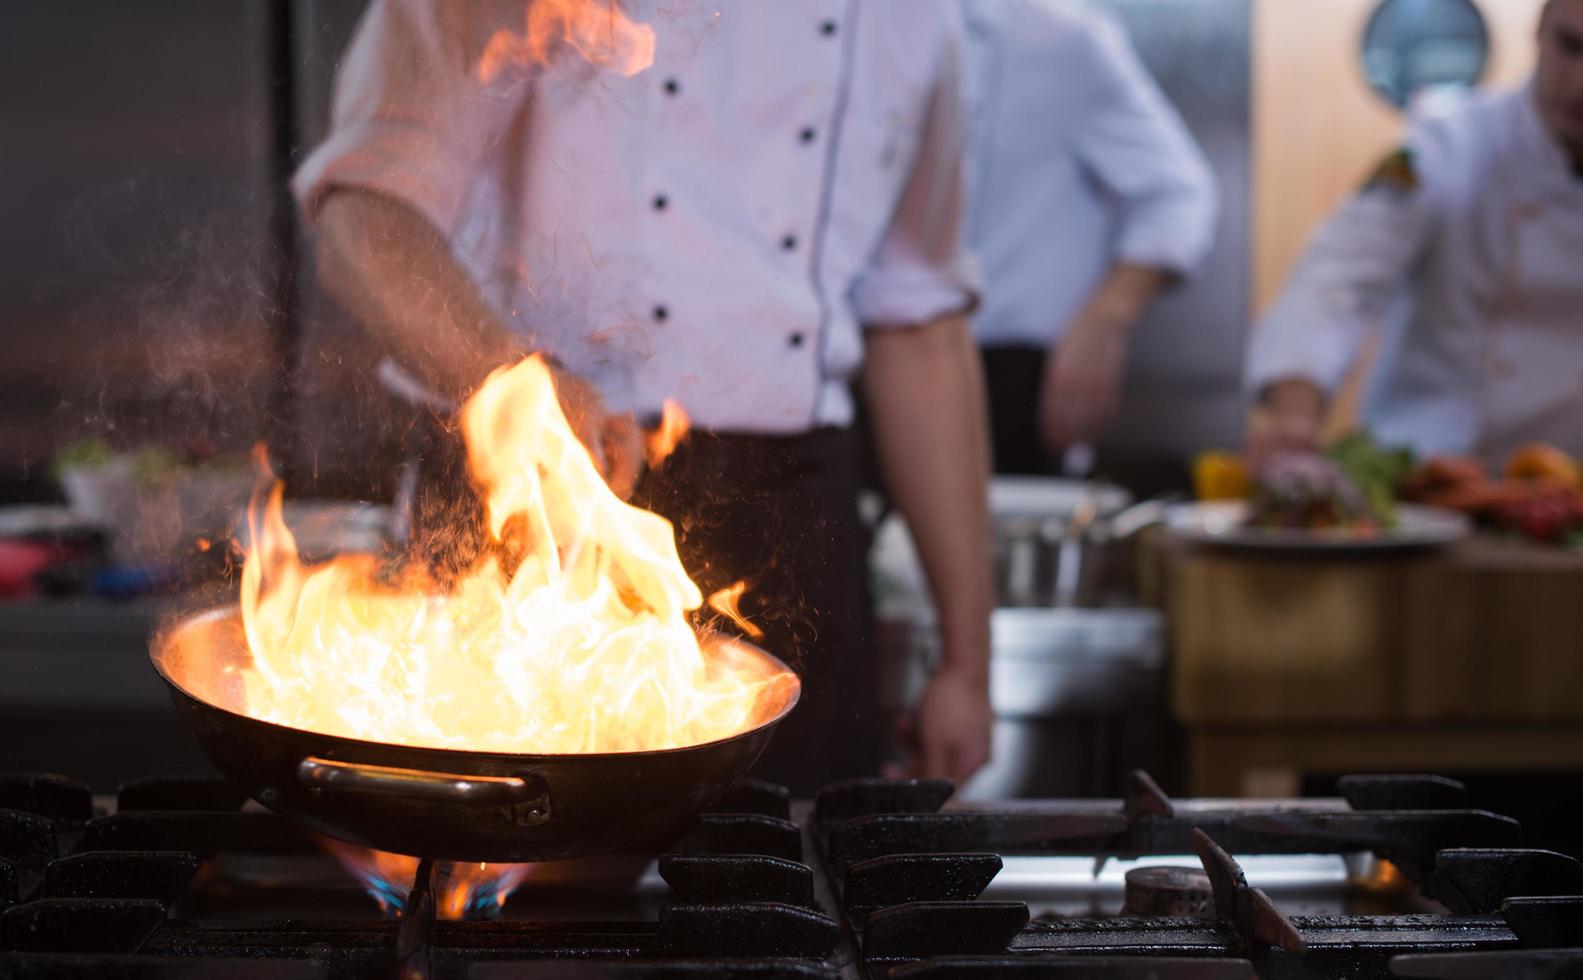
point(1089, 197)
point(770, 212)
point(1468, 245)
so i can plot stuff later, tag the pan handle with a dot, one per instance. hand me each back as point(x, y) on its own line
point(329, 775)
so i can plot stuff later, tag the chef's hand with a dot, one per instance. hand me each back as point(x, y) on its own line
point(952, 733)
point(1290, 418)
point(1081, 392)
point(1082, 379)
point(614, 440)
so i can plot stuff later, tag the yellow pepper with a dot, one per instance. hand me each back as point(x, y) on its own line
point(1220, 475)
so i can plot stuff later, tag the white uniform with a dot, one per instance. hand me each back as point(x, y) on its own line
point(1078, 162)
point(1472, 256)
point(719, 228)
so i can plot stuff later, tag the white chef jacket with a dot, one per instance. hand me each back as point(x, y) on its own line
point(1475, 269)
point(1078, 162)
point(717, 229)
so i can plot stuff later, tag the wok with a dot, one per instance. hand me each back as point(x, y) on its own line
point(444, 803)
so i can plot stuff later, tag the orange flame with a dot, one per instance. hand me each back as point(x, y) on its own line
point(598, 31)
point(673, 428)
point(584, 647)
point(462, 890)
point(726, 602)
point(1383, 877)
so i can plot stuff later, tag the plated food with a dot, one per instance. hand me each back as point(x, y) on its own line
point(1306, 491)
point(1229, 523)
point(1350, 487)
point(1359, 491)
point(1537, 493)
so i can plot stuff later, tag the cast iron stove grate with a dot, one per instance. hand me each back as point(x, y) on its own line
point(873, 879)
point(915, 878)
point(147, 890)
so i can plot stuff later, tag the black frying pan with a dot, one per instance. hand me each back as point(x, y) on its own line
point(444, 803)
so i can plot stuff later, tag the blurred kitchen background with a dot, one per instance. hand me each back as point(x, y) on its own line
point(154, 282)
point(154, 288)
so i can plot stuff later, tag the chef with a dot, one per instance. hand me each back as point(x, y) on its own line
point(767, 215)
point(1089, 199)
point(1467, 244)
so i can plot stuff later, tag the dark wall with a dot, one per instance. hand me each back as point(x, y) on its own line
point(134, 189)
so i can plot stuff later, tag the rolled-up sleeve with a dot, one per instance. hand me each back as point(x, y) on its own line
point(1357, 263)
point(410, 118)
point(923, 269)
point(1133, 143)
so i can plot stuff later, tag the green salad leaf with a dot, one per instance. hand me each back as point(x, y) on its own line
point(87, 453)
point(1376, 470)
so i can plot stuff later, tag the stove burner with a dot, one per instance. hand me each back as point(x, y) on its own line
point(1168, 892)
point(462, 889)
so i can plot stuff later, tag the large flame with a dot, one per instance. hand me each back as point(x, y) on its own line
point(597, 30)
point(570, 635)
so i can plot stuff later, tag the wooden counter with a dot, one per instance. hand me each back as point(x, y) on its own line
point(1465, 658)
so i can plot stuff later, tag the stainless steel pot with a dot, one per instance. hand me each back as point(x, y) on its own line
point(1056, 541)
point(1076, 667)
point(1068, 687)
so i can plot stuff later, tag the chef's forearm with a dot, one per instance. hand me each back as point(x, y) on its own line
point(1123, 296)
point(393, 272)
point(926, 398)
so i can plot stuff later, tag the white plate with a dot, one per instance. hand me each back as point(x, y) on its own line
point(1224, 522)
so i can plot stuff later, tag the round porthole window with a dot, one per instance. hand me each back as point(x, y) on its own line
point(1425, 49)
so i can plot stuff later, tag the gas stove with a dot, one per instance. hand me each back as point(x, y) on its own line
point(872, 879)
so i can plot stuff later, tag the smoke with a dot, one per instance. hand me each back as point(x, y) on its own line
point(169, 317)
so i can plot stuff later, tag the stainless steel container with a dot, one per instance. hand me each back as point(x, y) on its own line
point(1059, 542)
point(1071, 688)
point(1076, 666)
